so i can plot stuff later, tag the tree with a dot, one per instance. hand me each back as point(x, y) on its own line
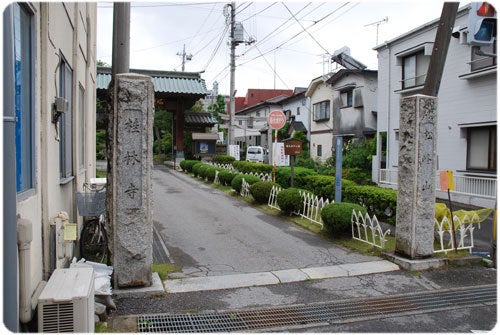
point(102, 63)
point(218, 108)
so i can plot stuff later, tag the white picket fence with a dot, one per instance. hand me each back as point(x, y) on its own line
point(312, 206)
point(464, 233)
point(245, 188)
point(272, 202)
point(368, 229)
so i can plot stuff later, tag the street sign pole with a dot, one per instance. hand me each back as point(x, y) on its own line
point(276, 120)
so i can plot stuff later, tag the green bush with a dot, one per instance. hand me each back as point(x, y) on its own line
point(210, 173)
point(202, 170)
point(379, 201)
point(289, 200)
point(187, 164)
point(283, 176)
point(359, 176)
point(252, 167)
point(196, 167)
point(237, 180)
point(260, 191)
point(337, 217)
point(324, 186)
point(226, 176)
point(224, 159)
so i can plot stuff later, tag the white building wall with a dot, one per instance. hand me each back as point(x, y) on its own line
point(321, 132)
point(67, 29)
point(460, 100)
point(303, 103)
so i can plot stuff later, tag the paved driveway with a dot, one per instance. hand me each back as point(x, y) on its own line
point(209, 233)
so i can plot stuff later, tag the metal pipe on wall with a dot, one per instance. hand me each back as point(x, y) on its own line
point(10, 260)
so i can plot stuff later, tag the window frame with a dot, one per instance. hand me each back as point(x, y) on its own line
point(346, 97)
point(478, 62)
point(491, 150)
point(25, 117)
point(66, 123)
point(318, 113)
point(319, 150)
point(410, 65)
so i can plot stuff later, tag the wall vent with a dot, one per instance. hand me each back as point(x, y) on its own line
point(67, 302)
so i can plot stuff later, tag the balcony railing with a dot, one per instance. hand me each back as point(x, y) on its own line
point(467, 185)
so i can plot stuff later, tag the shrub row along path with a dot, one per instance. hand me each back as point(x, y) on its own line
point(210, 234)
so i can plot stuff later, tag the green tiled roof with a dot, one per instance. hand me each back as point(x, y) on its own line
point(199, 119)
point(163, 81)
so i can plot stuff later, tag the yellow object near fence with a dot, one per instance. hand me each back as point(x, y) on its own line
point(465, 217)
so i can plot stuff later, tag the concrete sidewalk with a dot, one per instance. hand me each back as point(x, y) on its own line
point(276, 277)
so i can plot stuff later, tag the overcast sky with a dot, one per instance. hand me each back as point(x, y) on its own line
point(292, 38)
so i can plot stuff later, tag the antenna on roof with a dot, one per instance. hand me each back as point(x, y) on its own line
point(342, 57)
point(378, 23)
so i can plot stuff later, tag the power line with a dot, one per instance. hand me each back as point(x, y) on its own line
point(300, 24)
point(216, 48)
point(263, 10)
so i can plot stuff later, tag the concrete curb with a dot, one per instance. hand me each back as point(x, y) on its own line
point(276, 277)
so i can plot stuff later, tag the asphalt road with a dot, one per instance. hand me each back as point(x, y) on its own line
point(209, 233)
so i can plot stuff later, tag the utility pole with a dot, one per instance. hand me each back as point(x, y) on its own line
point(232, 66)
point(120, 62)
point(440, 50)
point(185, 57)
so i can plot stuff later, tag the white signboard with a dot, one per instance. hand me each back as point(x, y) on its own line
point(279, 153)
point(234, 151)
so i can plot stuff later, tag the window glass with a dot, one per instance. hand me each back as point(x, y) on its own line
point(481, 61)
point(81, 129)
point(321, 111)
point(24, 129)
point(319, 149)
point(481, 148)
point(415, 69)
point(66, 122)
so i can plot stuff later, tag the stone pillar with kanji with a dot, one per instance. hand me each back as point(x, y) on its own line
point(416, 177)
point(129, 207)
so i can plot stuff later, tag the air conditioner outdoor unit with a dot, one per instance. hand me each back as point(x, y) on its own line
point(67, 302)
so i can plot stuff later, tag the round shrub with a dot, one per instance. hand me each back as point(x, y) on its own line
point(202, 170)
point(260, 191)
point(210, 173)
point(237, 180)
point(224, 159)
point(196, 167)
point(337, 217)
point(187, 164)
point(226, 176)
point(289, 200)
point(381, 202)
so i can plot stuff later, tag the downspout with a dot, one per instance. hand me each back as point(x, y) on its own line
point(24, 238)
point(10, 277)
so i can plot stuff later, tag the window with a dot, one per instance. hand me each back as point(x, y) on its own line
point(298, 110)
point(481, 61)
point(319, 150)
point(346, 98)
point(81, 129)
point(481, 148)
point(415, 69)
point(23, 103)
point(66, 121)
point(321, 111)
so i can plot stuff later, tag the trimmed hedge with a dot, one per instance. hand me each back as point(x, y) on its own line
point(283, 176)
point(195, 168)
point(379, 201)
point(187, 165)
point(237, 180)
point(289, 200)
point(337, 217)
point(359, 176)
point(324, 186)
point(224, 159)
point(261, 190)
point(201, 171)
point(226, 176)
point(249, 167)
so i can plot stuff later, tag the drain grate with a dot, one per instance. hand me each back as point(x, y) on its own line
point(332, 312)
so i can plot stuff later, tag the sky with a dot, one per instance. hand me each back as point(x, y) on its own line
point(294, 40)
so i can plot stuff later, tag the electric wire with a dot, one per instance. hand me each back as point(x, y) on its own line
point(304, 29)
point(216, 48)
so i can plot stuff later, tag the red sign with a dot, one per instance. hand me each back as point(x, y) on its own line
point(276, 119)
